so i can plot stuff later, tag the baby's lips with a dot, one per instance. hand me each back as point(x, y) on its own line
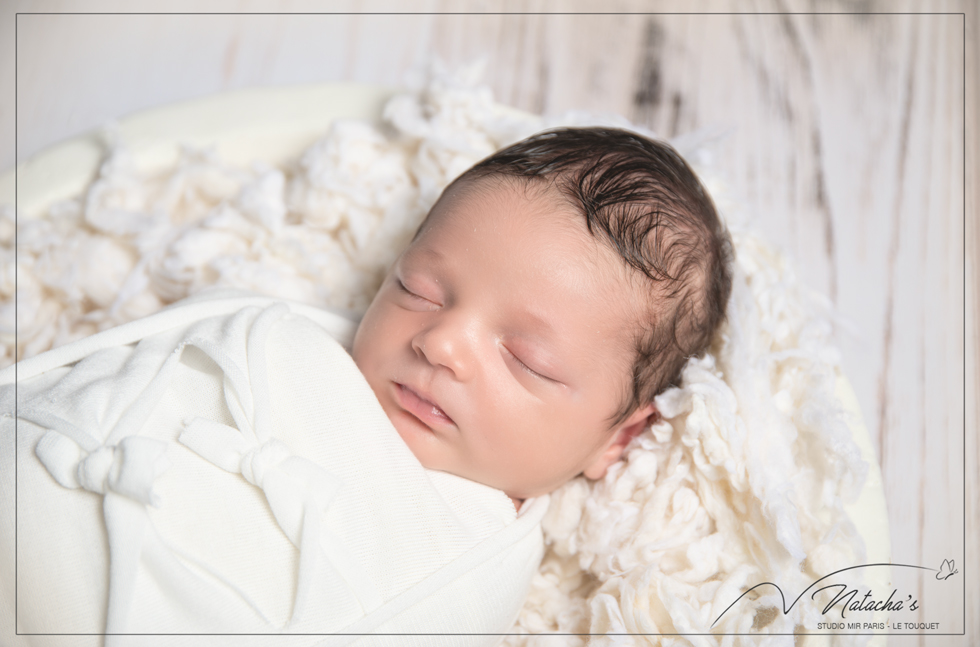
point(422, 405)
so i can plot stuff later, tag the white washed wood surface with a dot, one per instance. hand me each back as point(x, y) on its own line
point(844, 134)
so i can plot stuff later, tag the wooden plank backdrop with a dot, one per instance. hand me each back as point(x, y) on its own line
point(842, 131)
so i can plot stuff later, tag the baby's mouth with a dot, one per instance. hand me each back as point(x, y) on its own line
point(420, 407)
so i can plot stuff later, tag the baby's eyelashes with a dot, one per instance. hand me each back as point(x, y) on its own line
point(527, 368)
point(422, 301)
point(401, 287)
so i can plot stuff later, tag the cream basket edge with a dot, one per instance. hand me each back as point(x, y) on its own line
point(274, 125)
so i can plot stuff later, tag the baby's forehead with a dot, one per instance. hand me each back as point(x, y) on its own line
point(482, 210)
point(550, 228)
point(541, 201)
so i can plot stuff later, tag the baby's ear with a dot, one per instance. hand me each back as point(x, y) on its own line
point(624, 432)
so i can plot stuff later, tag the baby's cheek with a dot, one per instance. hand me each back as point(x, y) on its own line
point(366, 358)
point(369, 342)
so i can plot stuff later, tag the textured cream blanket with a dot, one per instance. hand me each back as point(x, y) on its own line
point(222, 467)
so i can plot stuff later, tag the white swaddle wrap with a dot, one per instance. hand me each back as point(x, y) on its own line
point(222, 467)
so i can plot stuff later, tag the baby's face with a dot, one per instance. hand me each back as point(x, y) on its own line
point(500, 344)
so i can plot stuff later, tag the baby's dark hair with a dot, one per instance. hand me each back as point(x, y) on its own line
point(642, 198)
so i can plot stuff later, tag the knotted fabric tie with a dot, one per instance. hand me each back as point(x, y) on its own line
point(128, 468)
point(257, 462)
point(291, 484)
point(299, 493)
point(124, 474)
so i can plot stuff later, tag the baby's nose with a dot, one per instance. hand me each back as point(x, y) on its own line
point(448, 341)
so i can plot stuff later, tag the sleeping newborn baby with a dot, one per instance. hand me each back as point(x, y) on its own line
point(226, 467)
point(553, 290)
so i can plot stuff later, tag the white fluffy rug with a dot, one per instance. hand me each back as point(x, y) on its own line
point(743, 482)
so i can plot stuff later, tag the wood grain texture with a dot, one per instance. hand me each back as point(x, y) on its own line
point(843, 132)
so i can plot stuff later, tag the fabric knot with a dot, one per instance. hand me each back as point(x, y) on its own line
point(129, 468)
point(257, 462)
point(93, 470)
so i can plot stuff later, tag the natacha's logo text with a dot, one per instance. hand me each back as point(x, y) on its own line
point(849, 598)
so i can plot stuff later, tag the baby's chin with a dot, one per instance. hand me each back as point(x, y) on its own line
point(421, 440)
point(432, 451)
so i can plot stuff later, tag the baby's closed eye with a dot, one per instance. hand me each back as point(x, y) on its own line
point(524, 367)
point(414, 297)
